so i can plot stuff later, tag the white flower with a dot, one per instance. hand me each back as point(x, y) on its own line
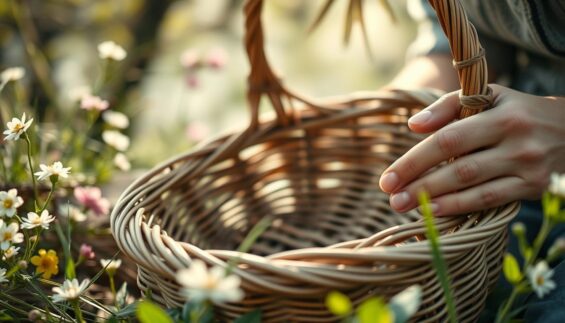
point(77, 93)
point(12, 74)
point(189, 58)
point(557, 184)
point(17, 127)
point(111, 265)
point(116, 119)
point(9, 202)
point(10, 252)
point(33, 220)
point(122, 162)
point(407, 302)
point(91, 102)
point(72, 212)
point(70, 290)
point(3, 275)
point(540, 278)
point(116, 139)
point(200, 284)
point(111, 50)
point(55, 169)
point(9, 235)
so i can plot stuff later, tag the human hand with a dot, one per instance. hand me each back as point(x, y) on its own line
point(507, 152)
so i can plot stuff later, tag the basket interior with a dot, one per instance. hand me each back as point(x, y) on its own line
point(319, 183)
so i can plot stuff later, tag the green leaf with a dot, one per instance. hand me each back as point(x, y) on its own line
point(511, 269)
point(70, 269)
point(551, 205)
point(148, 312)
point(338, 303)
point(375, 310)
point(5, 316)
point(437, 257)
point(251, 317)
point(128, 311)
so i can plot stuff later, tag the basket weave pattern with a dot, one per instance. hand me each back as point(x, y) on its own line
point(314, 168)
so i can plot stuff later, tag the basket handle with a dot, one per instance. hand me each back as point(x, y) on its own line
point(468, 59)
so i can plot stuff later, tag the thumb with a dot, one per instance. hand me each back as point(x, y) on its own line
point(437, 115)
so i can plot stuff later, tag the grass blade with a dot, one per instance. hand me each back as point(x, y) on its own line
point(438, 261)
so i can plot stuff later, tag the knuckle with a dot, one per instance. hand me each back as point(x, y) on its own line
point(467, 171)
point(490, 197)
point(449, 141)
point(517, 121)
point(538, 179)
point(530, 154)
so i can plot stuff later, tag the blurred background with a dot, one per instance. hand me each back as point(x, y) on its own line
point(184, 76)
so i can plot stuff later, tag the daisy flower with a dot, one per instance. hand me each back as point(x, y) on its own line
point(111, 50)
point(70, 290)
point(557, 185)
point(33, 220)
point(12, 74)
point(116, 119)
point(9, 235)
point(116, 139)
point(10, 252)
point(17, 127)
point(111, 265)
point(540, 278)
point(9, 202)
point(201, 284)
point(55, 169)
point(121, 161)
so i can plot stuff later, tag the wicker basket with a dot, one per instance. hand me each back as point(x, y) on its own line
point(315, 168)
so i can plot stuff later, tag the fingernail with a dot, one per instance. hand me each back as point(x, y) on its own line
point(400, 201)
point(420, 117)
point(389, 182)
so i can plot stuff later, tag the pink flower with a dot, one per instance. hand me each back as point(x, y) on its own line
point(91, 198)
point(192, 80)
point(86, 252)
point(190, 59)
point(91, 102)
point(217, 58)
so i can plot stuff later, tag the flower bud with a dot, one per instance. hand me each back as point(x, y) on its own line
point(519, 229)
point(86, 252)
point(22, 264)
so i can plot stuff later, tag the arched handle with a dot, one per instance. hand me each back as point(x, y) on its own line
point(468, 58)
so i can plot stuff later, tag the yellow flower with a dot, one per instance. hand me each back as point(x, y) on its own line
point(47, 263)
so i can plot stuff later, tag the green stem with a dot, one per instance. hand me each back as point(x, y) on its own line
point(49, 197)
point(508, 305)
point(36, 58)
point(546, 226)
point(78, 312)
point(35, 193)
point(113, 289)
point(437, 258)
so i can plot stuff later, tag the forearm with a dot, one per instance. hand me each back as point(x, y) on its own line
point(432, 71)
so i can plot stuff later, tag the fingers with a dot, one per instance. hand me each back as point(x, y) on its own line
point(490, 194)
point(437, 115)
point(461, 174)
point(457, 139)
